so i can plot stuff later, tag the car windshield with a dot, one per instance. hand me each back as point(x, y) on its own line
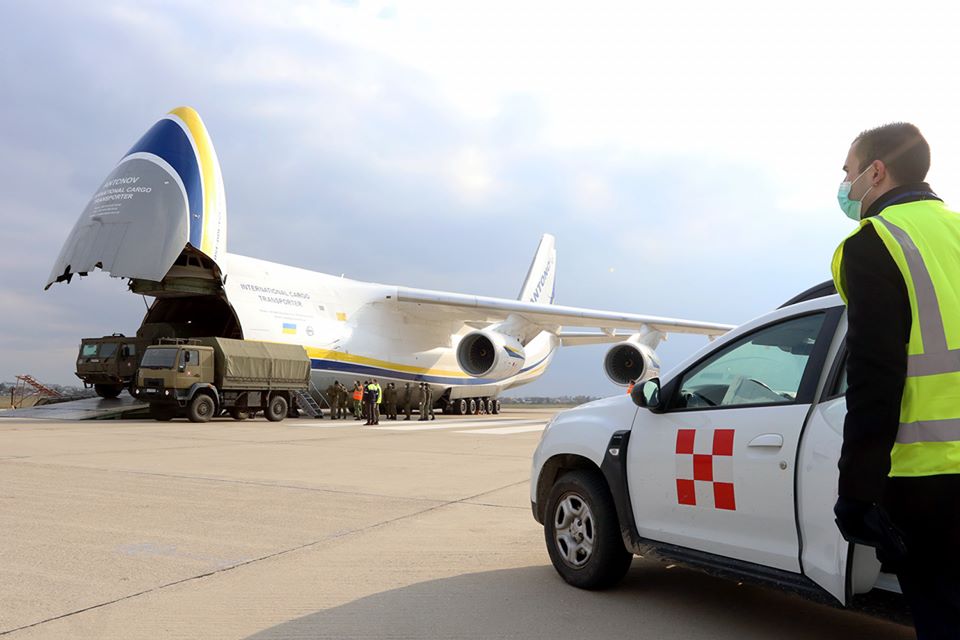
point(159, 358)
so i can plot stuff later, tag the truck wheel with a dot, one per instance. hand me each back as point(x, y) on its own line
point(276, 409)
point(238, 414)
point(201, 408)
point(108, 390)
point(161, 413)
point(583, 533)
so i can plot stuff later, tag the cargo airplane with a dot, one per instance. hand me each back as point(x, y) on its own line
point(160, 221)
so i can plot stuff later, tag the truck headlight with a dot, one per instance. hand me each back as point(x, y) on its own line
point(167, 392)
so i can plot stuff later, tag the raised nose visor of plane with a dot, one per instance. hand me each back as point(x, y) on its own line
point(165, 195)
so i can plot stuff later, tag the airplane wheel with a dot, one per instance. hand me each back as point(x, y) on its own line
point(460, 407)
point(496, 406)
point(489, 406)
point(473, 407)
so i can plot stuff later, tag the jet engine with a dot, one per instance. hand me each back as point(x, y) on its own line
point(490, 354)
point(631, 361)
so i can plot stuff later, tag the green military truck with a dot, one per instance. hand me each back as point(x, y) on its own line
point(109, 364)
point(198, 378)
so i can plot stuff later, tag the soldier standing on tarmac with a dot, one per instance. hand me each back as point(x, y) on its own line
point(423, 401)
point(430, 402)
point(342, 400)
point(390, 399)
point(332, 396)
point(407, 399)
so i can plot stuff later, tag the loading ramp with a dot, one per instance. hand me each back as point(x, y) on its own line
point(118, 408)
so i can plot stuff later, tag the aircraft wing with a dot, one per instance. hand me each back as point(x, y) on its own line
point(548, 316)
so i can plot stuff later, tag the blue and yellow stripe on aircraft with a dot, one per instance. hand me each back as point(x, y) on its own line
point(183, 142)
point(209, 169)
point(325, 360)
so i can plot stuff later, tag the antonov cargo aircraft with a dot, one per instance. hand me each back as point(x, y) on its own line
point(160, 220)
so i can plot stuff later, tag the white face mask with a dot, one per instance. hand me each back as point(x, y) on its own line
point(852, 207)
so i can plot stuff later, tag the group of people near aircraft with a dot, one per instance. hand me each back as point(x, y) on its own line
point(365, 399)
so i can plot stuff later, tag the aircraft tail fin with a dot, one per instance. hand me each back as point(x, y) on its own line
point(540, 283)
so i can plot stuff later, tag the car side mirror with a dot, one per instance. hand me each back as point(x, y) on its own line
point(647, 394)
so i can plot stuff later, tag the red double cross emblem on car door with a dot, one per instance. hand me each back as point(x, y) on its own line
point(705, 468)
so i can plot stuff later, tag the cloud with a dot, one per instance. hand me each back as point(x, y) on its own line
point(430, 145)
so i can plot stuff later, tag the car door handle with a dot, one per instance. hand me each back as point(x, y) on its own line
point(774, 440)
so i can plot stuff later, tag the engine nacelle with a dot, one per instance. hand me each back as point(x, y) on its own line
point(631, 361)
point(490, 354)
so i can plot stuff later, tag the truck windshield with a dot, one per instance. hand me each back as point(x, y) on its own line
point(159, 358)
point(89, 350)
point(107, 349)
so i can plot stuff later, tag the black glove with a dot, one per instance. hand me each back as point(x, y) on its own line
point(868, 524)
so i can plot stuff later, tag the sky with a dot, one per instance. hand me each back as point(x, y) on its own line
point(685, 155)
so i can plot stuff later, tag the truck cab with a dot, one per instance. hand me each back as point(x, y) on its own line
point(109, 364)
point(170, 370)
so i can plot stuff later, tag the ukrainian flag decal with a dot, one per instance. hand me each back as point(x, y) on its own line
point(289, 328)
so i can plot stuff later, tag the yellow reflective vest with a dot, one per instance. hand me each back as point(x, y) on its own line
point(924, 240)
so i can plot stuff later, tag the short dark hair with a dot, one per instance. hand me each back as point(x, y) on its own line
point(900, 146)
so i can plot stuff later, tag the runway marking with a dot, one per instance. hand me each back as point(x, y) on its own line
point(459, 424)
point(507, 430)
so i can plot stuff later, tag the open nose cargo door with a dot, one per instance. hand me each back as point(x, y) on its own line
point(159, 218)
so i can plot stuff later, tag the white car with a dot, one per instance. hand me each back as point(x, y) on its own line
point(728, 464)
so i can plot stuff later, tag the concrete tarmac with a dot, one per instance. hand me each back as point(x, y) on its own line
point(319, 529)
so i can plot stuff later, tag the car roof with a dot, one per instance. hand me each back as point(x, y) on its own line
point(822, 290)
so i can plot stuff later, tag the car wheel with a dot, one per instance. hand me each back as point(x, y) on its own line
point(583, 533)
point(201, 408)
point(276, 409)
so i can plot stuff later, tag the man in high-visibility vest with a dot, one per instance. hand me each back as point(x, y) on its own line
point(899, 274)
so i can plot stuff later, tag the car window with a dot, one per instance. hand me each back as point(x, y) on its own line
point(763, 368)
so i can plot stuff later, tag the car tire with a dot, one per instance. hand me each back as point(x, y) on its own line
point(276, 408)
point(201, 408)
point(582, 532)
point(108, 391)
